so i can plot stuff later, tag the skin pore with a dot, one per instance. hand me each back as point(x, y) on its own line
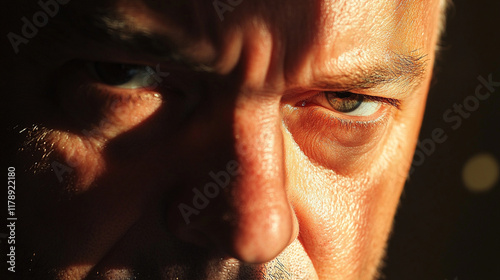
point(273, 87)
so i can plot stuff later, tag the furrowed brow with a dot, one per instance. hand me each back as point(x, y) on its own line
point(404, 71)
point(113, 29)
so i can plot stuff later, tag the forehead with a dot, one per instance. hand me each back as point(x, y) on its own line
point(326, 19)
point(322, 35)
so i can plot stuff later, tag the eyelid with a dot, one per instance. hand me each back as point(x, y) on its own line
point(390, 101)
point(145, 78)
point(318, 103)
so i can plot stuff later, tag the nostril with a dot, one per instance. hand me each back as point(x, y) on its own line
point(252, 237)
point(241, 207)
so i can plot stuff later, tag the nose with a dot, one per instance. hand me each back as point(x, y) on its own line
point(241, 208)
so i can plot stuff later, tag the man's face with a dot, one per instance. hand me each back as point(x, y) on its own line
point(217, 139)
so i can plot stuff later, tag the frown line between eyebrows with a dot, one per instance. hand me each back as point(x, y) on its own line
point(401, 71)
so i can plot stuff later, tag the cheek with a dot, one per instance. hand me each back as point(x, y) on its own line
point(79, 160)
point(344, 147)
point(335, 220)
point(331, 212)
point(91, 115)
point(97, 110)
point(344, 220)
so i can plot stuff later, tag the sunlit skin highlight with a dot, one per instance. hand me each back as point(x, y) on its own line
point(316, 189)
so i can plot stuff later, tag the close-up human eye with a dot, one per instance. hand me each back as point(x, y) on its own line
point(115, 92)
point(349, 106)
point(251, 140)
point(326, 124)
point(121, 75)
point(352, 104)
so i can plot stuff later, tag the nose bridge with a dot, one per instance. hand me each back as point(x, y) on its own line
point(258, 139)
point(265, 221)
point(243, 209)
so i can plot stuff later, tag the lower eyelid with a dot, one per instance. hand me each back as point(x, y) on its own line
point(108, 95)
point(356, 122)
point(87, 102)
point(117, 102)
point(331, 140)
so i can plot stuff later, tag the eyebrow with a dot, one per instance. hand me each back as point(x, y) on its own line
point(108, 26)
point(405, 71)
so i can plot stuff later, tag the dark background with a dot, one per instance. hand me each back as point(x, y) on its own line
point(442, 230)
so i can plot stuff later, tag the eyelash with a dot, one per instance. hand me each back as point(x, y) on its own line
point(393, 102)
point(348, 122)
point(389, 101)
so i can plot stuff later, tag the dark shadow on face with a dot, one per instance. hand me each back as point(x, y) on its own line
point(132, 208)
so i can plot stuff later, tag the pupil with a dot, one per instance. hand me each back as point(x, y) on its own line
point(343, 94)
point(115, 73)
point(344, 102)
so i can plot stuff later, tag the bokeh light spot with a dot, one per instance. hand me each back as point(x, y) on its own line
point(480, 173)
